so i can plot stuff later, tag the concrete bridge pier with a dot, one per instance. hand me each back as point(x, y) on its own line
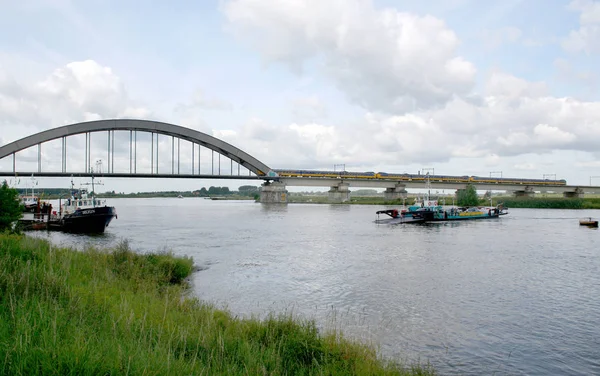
point(273, 193)
point(398, 191)
point(526, 192)
point(577, 193)
point(339, 193)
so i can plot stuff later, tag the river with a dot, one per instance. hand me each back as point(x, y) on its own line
point(515, 295)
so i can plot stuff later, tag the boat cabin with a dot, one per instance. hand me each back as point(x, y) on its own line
point(80, 200)
point(29, 200)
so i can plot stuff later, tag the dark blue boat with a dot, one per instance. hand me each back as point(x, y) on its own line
point(88, 220)
point(84, 213)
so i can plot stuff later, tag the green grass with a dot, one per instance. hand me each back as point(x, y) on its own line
point(539, 202)
point(549, 202)
point(109, 312)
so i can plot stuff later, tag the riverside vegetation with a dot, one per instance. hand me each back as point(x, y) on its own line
point(108, 312)
point(508, 201)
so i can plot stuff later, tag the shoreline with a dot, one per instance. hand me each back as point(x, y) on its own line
point(118, 311)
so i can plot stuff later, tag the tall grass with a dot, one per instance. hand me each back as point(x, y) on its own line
point(117, 312)
point(549, 202)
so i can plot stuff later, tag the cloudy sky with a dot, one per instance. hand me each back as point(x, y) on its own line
point(466, 87)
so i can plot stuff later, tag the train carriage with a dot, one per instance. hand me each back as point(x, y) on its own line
point(417, 177)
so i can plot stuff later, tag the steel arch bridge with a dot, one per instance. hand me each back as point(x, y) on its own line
point(260, 170)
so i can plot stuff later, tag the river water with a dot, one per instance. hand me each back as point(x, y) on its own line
point(509, 296)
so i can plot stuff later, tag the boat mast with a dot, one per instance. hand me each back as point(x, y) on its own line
point(428, 186)
point(32, 187)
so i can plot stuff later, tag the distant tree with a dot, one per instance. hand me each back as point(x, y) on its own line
point(487, 196)
point(203, 192)
point(365, 192)
point(10, 207)
point(248, 190)
point(219, 191)
point(467, 196)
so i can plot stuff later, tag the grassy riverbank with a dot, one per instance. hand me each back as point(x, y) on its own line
point(549, 202)
point(118, 312)
point(508, 201)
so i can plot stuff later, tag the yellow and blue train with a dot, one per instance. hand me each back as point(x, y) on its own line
point(414, 177)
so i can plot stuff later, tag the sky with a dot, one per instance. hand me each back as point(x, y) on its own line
point(463, 87)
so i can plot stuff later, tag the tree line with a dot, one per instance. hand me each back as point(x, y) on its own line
point(212, 191)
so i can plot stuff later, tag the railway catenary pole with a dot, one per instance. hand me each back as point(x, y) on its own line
point(112, 168)
point(135, 152)
point(152, 153)
point(130, 149)
point(108, 152)
point(62, 155)
point(172, 155)
point(89, 152)
point(40, 157)
point(65, 154)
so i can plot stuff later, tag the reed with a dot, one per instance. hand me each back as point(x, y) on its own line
point(549, 202)
point(102, 312)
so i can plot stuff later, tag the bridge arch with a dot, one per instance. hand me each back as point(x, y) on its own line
point(203, 139)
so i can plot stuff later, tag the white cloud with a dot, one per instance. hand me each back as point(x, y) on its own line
point(587, 37)
point(492, 39)
point(513, 119)
point(590, 11)
point(309, 108)
point(587, 80)
point(505, 86)
point(381, 59)
point(403, 69)
point(291, 146)
point(200, 101)
point(551, 136)
point(525, 166)
point(79, 91)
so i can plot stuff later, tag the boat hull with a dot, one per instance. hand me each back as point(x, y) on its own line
point(88, 221)
point(30, 208)
point(399, 220)
point(434, 216)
